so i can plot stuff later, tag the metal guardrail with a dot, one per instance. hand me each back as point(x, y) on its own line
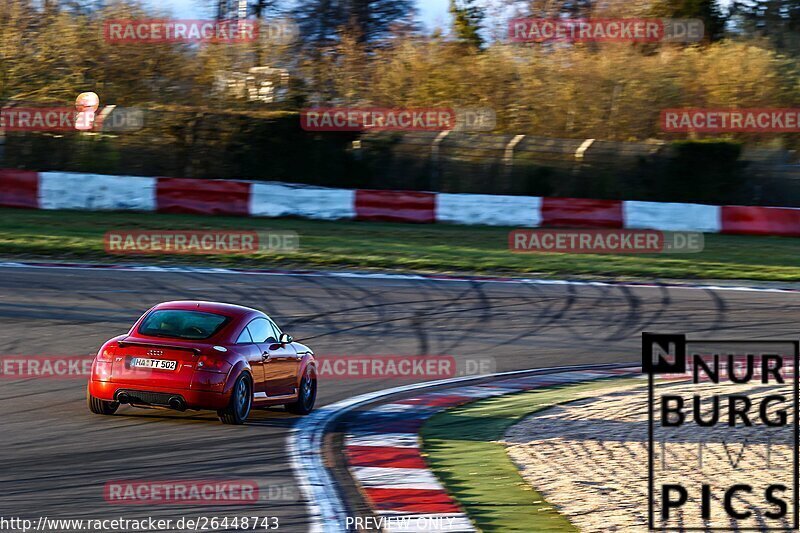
point(514, 148)
point(535, 165)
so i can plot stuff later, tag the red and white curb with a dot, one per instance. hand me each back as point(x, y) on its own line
point(97, 192)
point(383, 451)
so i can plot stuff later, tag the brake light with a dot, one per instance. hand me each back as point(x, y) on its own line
point(212, 364)
point(101, 369)
point(105, 356)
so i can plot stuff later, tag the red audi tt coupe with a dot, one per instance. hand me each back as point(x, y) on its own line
point(201, 355)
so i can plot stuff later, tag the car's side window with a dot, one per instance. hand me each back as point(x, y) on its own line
point(276, 328)
point(261, 330)
point(245, 337)
point(274, 335)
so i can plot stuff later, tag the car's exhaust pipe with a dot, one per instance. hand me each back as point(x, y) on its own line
point(124, 398)
point(176, 403)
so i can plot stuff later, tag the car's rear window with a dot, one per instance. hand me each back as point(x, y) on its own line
point(187, 325)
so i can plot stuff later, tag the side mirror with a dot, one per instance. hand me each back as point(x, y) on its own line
point(286, 339)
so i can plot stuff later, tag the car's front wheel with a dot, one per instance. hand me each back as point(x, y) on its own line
point(306, 396)
point(241, 402)
point(100, 407)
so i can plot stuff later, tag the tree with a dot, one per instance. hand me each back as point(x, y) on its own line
point(709, 11)
point(467, 19)
point(321, 20)
point(558, 8)
point(230, 9)
point(779, 20)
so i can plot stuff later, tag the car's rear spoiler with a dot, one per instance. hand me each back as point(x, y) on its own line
point(122, 344)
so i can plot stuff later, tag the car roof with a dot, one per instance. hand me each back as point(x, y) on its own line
point(230, 310)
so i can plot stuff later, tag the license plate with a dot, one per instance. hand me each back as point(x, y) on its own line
point(156, 364)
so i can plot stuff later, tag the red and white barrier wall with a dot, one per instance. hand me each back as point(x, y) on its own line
point(94, 192)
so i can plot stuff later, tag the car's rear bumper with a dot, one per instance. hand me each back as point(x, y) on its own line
point(109, 391)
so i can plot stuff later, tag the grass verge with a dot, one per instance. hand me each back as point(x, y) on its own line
point(461, 448)
point(73, 235)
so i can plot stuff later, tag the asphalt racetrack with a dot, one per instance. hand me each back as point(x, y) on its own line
point(57, 457)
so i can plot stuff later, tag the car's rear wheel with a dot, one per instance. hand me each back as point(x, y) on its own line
point(241, 402)
point(101, 407)
point(306, 396)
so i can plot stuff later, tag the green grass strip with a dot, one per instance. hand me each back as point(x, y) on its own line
point(426, 248)
point(461, 449)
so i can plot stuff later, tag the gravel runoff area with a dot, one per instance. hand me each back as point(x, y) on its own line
point(589, 459)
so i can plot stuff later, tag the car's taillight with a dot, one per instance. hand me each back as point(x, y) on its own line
point(212, 364)
point(105, 356)
point(103, 363)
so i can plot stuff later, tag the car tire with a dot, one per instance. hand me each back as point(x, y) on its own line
point(306, 396)
point(241, 402)
point(101, 407)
